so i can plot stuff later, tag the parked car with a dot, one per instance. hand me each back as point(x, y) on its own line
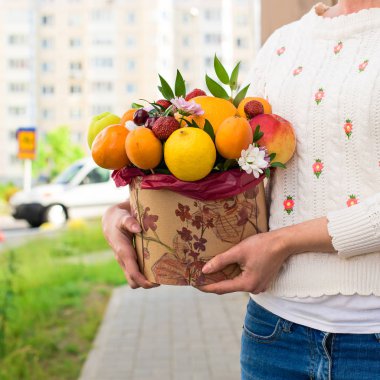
point(83, 190)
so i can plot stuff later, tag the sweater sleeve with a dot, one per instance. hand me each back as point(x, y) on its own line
point(356, 230)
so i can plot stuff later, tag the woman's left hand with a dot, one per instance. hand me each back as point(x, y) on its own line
point(261, 256)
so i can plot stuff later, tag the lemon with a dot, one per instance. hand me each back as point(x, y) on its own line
point(190, 154)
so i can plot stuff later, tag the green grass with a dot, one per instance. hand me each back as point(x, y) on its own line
point(54, 308)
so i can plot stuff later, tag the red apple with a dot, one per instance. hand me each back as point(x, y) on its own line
point(279, 136)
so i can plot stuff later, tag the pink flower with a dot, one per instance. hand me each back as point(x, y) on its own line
point(318, 167)
point(297, 71)
point(281, 50)
point(338, 47)
point(363, 66)
point(348, 128)
point(289, 204)
point(320, 94)
point(352, 200)
point(187, 108)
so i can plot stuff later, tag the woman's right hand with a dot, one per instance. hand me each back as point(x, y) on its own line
point(118, 228)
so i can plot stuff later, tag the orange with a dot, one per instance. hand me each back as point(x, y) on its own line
point(108, 148)
point(128, 116)
point(215, 111)
point(233, 135)
point(143, 148)
point(266, 105)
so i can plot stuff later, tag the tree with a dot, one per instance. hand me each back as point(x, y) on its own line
point(55, 151)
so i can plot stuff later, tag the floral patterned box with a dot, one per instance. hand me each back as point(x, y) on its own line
point(180, 234)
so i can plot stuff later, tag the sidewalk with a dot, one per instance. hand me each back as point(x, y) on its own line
point(168, 333)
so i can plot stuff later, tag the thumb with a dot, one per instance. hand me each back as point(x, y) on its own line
point(222, 260)
point(131, 224)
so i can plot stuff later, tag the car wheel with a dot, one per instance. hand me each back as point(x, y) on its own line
point(56, 215)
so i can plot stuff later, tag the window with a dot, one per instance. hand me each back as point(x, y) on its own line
point(47, 90)
point(131, 88)
point(18, 87)
point(102, 41)
point(47, 67)
point(212, 14)
point(97, 175)
point(131, 41)
point(17, 39)
point(102, 86)
point(185, 17)
point(97, 109)
point(76, 113)
point(186, 41)
point(209, 62)
point(75, 89)
point(241, 42)
point(18, 63)
point(75, 42)
point(47, 20)
point(186, 64)
point(75, 66)
point(47, 43)
point(101, 16)
point(241, 19)
point(12, 135)
point(131, 17)
point(102, 62)
point(17, 111)
point(47, 113)
point(74, 19)
point(213, 38)
point(131, 64)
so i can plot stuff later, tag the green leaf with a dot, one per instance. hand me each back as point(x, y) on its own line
point(180, 86)
point(165, 89)
point(220, 71)
point(216, 89)
point(272, 156)
point(209, 130)
point(136, 106)
point(228, 164)
point(241, 95)
point(257, 135)
point(267, 173)
point(234, 77)
point(278, 165)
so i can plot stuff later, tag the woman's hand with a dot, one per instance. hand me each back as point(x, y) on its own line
point(261, 256)
point(118, 228)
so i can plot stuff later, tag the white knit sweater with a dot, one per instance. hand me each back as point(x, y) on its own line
point(323, 75)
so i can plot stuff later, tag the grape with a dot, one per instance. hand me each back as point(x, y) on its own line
point(140, 117)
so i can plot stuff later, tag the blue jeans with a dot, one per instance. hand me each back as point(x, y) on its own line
point(276, 349)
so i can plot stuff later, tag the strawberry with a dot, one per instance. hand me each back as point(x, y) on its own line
point(164, 127)
point(194, 94)
point(253, 108)
point(164, 103)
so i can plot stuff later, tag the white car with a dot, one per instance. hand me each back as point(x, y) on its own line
point(83, 190)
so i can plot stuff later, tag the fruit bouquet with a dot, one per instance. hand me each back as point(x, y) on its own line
point(195, 164)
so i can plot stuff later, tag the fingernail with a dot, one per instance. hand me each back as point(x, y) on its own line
point(206, 269)
point(136, 228)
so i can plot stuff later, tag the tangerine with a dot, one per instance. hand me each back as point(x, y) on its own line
point(108, 149)
point(128, 116)
point(233, 135)
point(143, 148)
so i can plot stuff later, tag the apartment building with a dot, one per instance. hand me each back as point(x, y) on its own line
point(63, 61)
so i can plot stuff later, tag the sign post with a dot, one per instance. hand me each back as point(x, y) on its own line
point(27, 142)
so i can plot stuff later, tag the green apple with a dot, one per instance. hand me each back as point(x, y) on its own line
point(100, 122)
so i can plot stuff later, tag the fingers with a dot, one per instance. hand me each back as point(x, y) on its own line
point(237, 284)
point(130, 224)
point(222, 260)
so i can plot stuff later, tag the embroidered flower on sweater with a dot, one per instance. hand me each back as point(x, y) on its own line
point(319, 95)
point(318, 167)
point(297, 71)
point(338, 47)
point(348, 128)
point(352, 200)
point(363, 65)
point(289, 204)
point(281, 50)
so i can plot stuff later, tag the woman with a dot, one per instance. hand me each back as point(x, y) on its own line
point(314, 279)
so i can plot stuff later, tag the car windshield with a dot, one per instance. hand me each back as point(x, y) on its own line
point(67, 175)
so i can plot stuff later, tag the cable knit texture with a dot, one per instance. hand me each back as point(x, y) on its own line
point(323, 75)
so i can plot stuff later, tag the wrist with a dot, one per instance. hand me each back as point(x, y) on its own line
point(282, 243)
